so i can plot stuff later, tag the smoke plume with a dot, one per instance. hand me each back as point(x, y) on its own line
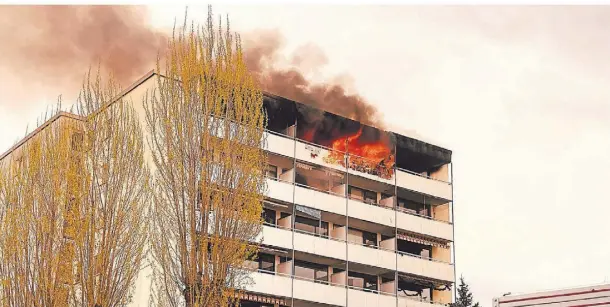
point(53, 46)
point(261, 54)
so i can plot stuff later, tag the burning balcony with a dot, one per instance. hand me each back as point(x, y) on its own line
point(352, 145)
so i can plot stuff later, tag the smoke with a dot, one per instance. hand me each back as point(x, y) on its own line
point(261, 55)
point(50, 48)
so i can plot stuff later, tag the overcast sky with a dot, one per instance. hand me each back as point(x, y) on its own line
point(521, 96)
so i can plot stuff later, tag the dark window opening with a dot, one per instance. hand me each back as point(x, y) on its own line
point(311, 226)
point(266, 262)
point(364, 281)
point(367, 196)
point(362, 237)
point(424, 251)
point(77, 141)
point(269, 216)
point(263, 262)
point(312, 271)
point(412, 289)
point(414, 207)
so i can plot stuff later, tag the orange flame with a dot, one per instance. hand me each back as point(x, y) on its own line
point(374, 158)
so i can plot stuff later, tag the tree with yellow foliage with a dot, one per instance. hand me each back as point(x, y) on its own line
point(206, 125)
point(112, 207)
point(35, 254)
point(73, 201)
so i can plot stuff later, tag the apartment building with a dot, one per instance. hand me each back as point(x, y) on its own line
point(596, 295)
point(354, 215)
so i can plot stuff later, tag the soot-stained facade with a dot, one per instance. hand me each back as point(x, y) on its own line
point(341, 134)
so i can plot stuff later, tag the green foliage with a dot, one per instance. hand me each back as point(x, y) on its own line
point(464, 296)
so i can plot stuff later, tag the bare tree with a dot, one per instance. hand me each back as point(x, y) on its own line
point(206, 125)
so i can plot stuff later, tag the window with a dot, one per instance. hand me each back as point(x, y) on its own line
point(362, 237)
point(271, 171)
point(77, 141)
point(425, 251)
point(311, 226)
point(366, 196)
point(266, 262)
point(414, 207)
point(369, 238)
point(359, 280)
point(260, 261)
point(269, 216)
point(312, 271)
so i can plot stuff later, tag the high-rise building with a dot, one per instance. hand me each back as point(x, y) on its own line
point(354, 215)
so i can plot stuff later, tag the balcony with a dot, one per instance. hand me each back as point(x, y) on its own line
point(381, 213)
point(372, 256)
point(325, 293)
point(359, 298)
point(422, 184)
point(303, 242)
point(333, 201)
point(275, 237)
point(316, 154)
point(278, 143)
point(430, 268)
point(265, 283)
point(371, 213)
point(404, 301)
point(424, 225)
point(319, 246)
point(280, 190)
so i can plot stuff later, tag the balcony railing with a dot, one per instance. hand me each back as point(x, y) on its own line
point(319, 190)
point(395, 168)
point(424, 300)
point(421, 175)
point(410, 212)
point(423, 257)
point(354, 243)
point(345, 195)
point(339, 285)
point(279, 134)
point(330, 149)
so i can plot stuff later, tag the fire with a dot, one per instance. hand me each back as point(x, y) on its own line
point(374, 158)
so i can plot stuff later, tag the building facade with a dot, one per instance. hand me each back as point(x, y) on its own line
point(598, 295)
point(354, 215)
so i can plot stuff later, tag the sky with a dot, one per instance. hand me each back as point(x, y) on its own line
point(519, 94)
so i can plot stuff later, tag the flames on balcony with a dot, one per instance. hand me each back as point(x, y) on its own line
point(371, 152)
